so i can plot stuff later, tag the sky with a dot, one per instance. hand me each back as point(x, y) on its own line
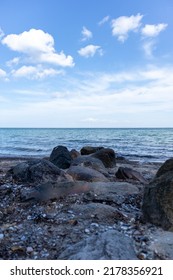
point(86, 63)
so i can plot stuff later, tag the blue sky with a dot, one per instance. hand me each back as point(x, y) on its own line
point(78, 63)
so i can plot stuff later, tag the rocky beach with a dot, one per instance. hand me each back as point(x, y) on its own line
point(87, 204)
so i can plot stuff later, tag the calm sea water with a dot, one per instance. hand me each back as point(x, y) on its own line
point(135, 144)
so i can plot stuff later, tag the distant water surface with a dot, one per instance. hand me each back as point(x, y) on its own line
point(143, 144)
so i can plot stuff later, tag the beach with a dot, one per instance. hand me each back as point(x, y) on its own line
point(74, 216)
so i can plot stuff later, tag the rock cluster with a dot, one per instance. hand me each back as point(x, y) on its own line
point(83, 205)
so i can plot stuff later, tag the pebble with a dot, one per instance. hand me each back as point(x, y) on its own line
point(1, 236)
point(87, 231)
point(29, 250)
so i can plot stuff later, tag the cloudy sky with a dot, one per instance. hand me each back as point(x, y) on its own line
point(86, 63)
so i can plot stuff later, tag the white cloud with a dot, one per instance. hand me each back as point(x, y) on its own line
point(2, 73)
point(151, 30)
point(38, 46)
point(86, 34)
point(34, 73)
point(141, 96)
point(123, 25)
point(104, 20)
point(13, 62)
point(1, 33)
point(148, 48)
point(90, 51)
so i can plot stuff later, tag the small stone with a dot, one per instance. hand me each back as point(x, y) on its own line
point(1, 236)
point(29, 250)
point(142, 256)
point(87, 231)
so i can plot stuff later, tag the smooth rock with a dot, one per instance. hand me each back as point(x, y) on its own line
point(91, 162)
point(107, 156)
point(61, 157)
point(87, 174)
point(87, 150)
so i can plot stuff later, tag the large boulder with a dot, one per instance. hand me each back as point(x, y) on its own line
point(61, 157)
point(158, 198)
point(36, 171)
point(87, 150)
point(87, 174)
point(107, 156)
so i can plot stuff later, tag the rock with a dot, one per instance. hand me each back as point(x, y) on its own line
point(36, 171)
point(61, 157)
point(107, 156)
point(87, 150)
point(87, 174)
point(158, 198)
point(109, 245)
point(112, 192)
point(103, 213)
point(91, 162)
point(74, 154)
point(166, 167)
point(128, 173)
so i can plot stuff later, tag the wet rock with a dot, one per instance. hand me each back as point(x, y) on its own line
point(87, 150)
point(35, 171)
point(158, 198)
point(107, 156)
point(61, 157)
point(128, 173)
point(87, 174)
point(109, 245)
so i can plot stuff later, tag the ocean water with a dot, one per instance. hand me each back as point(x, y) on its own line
point(143, 144)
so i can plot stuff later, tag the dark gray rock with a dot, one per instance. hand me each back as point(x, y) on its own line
point(109, 245)
point(91, 162)
point(107, 156)
point(74, 154)
point(128, 173)
point(166, 167)
point(158, 198)
point(87, 150)
point(35, 171)
point(61, 157)
point(87, 174)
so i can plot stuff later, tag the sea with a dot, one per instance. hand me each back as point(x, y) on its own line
point(141, 144)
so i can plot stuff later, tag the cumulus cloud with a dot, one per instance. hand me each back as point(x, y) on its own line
point(34, 73)
point(86, 34)
point(153, 30)
point(123, 25)
point(90, 51)
point(104, 20)
point(38, 46)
